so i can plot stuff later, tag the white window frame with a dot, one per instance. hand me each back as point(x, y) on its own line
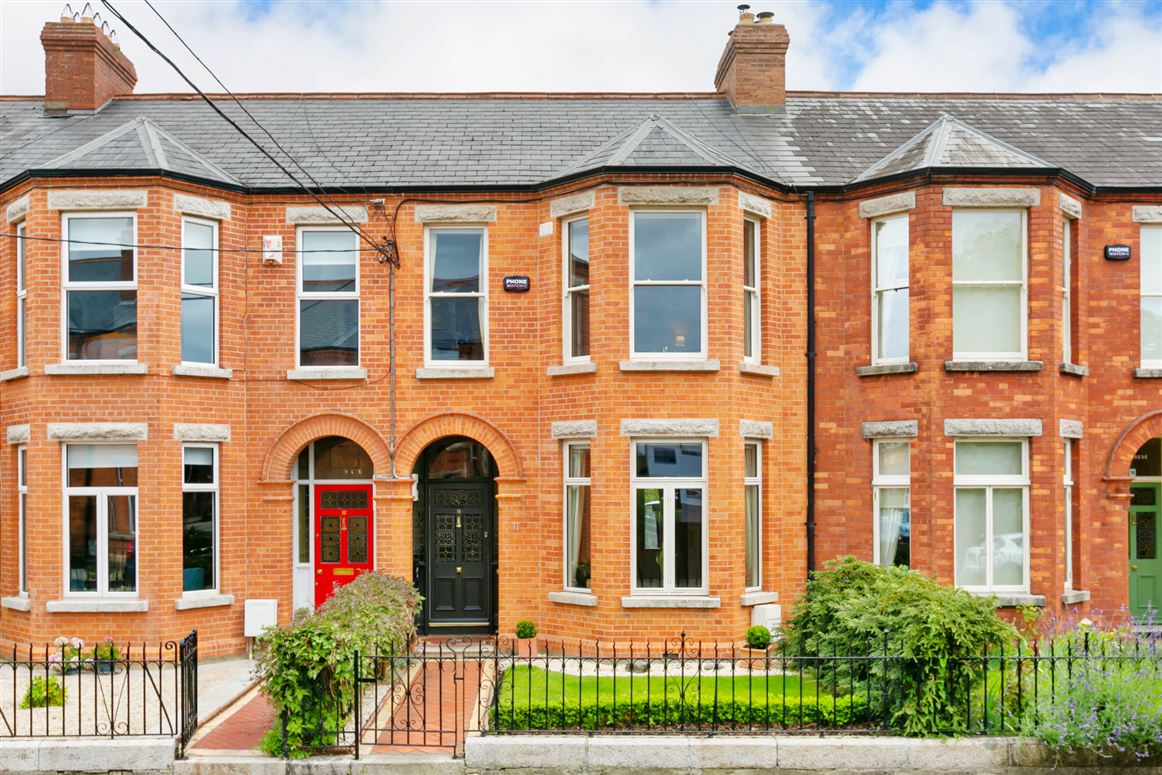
point(988, 482)
point(878, 290)
point(212, 292)
point(567, 308)
point(881, 481)
point(1066, 291)
point(756, 482)
point(1023, 353)
point(633, 283)
point(301, 296)
point(22, 518)
point(482, 294)
point(573, 481)
point(752, 294)
point(21, 299)
point(214, 488)
point(1067, 483)
point(100, 494)
point(1154, 363)
point(67, 286)
point(668, 485)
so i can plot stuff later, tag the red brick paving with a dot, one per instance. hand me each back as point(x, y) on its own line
point(242, 729)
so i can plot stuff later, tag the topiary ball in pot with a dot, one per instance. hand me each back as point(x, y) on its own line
point(758, 638)
point(526, 643)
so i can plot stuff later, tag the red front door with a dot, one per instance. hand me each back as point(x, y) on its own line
point(343, 536)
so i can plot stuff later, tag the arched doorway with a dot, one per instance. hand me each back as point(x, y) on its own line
point(1145, 515)
point(454, 536)
point(334, 518)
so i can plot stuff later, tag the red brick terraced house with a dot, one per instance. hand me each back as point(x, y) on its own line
point(645, 358)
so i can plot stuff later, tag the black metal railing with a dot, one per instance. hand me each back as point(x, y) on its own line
point(72, 689)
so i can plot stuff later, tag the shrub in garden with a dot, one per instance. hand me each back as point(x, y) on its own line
point(758, 637)
point(930, 631)
point(526, 629)
point(43, 693)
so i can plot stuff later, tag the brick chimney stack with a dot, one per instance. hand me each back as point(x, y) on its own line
point(753, 70)
point(83, 67)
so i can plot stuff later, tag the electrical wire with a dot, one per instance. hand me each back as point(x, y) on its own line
point(148, 246)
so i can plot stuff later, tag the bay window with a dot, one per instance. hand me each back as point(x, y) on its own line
point(577, 526)
point(891, 502)
point(457, 299)
point(751, 302)
point(992, 515)
point(890, 290)
point(101, 518)
point(669, 535)
point(21, 297)
point(199, 291)
point(668, 298)
point(1151, 289)
point(328, 330)
point(576, 316)
point(100, 286)
point(988, 285)
point(752, 483)
point(199, 518)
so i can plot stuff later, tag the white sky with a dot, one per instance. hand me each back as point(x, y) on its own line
point(609, 46)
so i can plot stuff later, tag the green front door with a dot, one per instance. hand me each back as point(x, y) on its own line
point(1145, 559)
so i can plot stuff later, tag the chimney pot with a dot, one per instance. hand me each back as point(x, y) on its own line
point(766, 17)
point(744, 14)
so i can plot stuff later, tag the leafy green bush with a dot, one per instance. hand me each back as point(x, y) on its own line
point(758, 637)
point(43, 693)
point(930, 630)
point(526, 629)
point(308, 669)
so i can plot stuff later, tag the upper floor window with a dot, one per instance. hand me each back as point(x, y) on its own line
point(199, 518)
point(992, 515)
point(577, 289)
point(668, 302)
point(669, 536)
point(199, 291)
point(100, 286)
point(988, 285)
point(101, 518)
point(751, 304)
point(891, 498)
point(457, 298)
point(21, 295)
point(890, 290)
point(577, 527)
point(1151, 297)
point(752, 484)
point(1067, 275)
point(328, 331)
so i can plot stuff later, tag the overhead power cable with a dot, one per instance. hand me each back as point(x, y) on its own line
point(150, 246)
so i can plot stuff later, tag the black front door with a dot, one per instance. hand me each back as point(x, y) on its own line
point(460, 585)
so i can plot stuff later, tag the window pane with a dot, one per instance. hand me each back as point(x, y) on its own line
point(23, 543)
point(1147, 461)
point(578, 461)
point(304, 524)
point(456, 330)
point(1152, 328)
point(198, 254)
point(333, 269)
point(970, 534)
point(102, 465)
point(986, 319)
point(340, 458)
point(749, 257)
point(893, 458)
point(462, 460)
point(687, 538)
point(329, 332)
point(197, 541)
point(891, 253)
point(21, 269)
point(456, 261)
point(122, 525)
point(1151, 259)
point(577, 536)
point(82, 543)
point(197, 328)
point(101, 263)
point(985, 457)
point(895, 526)
point(753, 578)
point(579, 252)
point(750, 318)
point(579, 323)
point(23, 466)
point(102, 325)
point(673, 460)
point(667, 319)
point(1008, 537)
point(667, 246)
point(199, 465)
point(893, 324)
point(650, 537)
point(751, 461)
point(22, 323)
point(986, 245)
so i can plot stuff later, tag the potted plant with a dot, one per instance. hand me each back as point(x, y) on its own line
point(67, 657)
point(758, 641)
point(105, 656)
point(526, 639)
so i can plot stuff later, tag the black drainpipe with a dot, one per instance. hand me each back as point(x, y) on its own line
point(810, 382)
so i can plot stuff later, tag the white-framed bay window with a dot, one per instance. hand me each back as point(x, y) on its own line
point(992, 514)
point(752, 483)
point(100, 519)
point(752, 309)
point(199, 291)
point(1151, 290)
point(578, 569)
point(199, 518)
point(575, 316)
point(989, 285)
point(99, 279)
point(890, 291)
point(1067, 272)
point(22, 514)
point(21, 299)
point(669, 538)
point(328, 297)
point(456, 296)
point(892, 502)
point(1067, 500)
point(667, 284)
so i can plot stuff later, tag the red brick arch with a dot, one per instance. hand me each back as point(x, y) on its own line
point(1129, 441)
point(423, 433)
point(284, 451)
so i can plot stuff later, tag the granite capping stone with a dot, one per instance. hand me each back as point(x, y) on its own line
point(890, 429)
point(202, 601)
point(574, 429)
point(1147, 213)
point(572, 204)
point(888, 205)
point(102, 605)
point(98, 431)
point(758, 597)
point(18, 373)
point(16, 603)
point(326, 373)
point(886, 369)
point(992, 197)
point(202, 370)
point(307, 215)
point(98, 199)
point(758, 369)
point(992, 427)
point(995, 366)
point(18, 209)
point(1068, 205)
point(19, 434)
point(1071, 429)
point(185, 431)
point(756, 429)
point(465, 213)
point(213, 209)
point(755, 204)
point(87, 369)
point(1014, 600)
point(665, 428)
point(667, 195)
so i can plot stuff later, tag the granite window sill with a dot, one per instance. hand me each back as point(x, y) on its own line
point(1014, 599)
point(670, 601)
point(667, 365)
point(1075, 370)
point(16, 603)
point(83, 368)
point(202, 370)
point(1147, 373)
point(993, 366)
point(1075, 596)
point(758, 598)
point(200, 600)
point(18, 373)
point(310, 373)
point(565, 369)
point(884, 369)
point(97, 605)
point(758, 369)
point(467, 372)
point(573, 598)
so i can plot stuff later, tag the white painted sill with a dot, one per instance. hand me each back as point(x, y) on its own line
point(16, 603)
point(670, 601)
point(666, 365)
point(17, 373)
point(758, 597)
point(202, 370)
point(573, 598)
point(463, 372)
point(565, 369)
point(96, 605)
point(758, 369)
point(81, 368)
point(193, 600)
point(310, 373)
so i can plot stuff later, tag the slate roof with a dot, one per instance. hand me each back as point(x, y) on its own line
point(399, 142)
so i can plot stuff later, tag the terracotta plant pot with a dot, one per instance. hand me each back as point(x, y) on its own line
point(526, 648)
